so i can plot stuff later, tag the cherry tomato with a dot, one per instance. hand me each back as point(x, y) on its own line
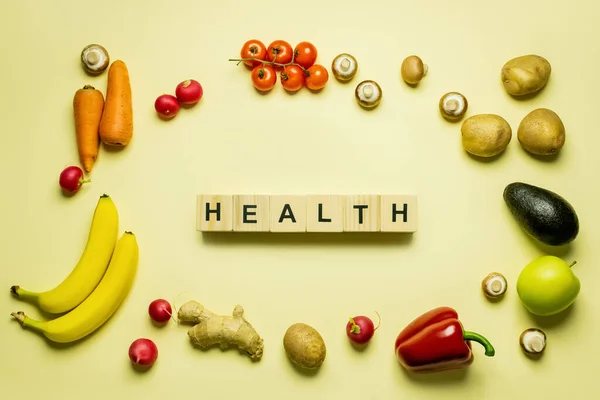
point(280, 52)
point(292, 78)
point(305, 54)
point(263, 77)
point(317, 77)
point(253, 48)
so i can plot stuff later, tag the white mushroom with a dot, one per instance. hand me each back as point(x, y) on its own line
point(368, 94)
point(533, 341)
point(453, 106)
point(344, 67)
point(95, 59)
point(494, 285)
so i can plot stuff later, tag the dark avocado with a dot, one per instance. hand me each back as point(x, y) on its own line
point(543, 214)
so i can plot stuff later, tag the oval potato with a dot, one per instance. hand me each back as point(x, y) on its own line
point(485, 135)
point(525, 74)
point(541, 132)
point(304, 346)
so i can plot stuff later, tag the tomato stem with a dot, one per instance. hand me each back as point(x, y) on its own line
point(241, 60)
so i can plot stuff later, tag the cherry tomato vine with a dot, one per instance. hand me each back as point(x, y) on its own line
point(297, 66)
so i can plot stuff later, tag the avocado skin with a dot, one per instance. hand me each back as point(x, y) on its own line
point(541, 213)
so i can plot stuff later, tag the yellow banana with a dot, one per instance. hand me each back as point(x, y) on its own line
point(92, 265)
point(95, 310)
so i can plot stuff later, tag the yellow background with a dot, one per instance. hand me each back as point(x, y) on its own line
point(237, 141)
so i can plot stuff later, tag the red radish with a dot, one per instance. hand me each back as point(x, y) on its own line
point(71, 179)
point(167, 106)
point(361, 329)
point(160, 310)
point(189, 92)
point(143, 352)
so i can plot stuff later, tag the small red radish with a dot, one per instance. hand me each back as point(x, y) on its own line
point(160, 310)
point(167, 106)
point(143, 352)
point(71, 179)
point(361, 329)
point(189, 92)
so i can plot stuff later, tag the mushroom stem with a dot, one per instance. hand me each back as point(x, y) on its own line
point(345, 64)
point(368, 91)
point(92, 57)
point(452, 105)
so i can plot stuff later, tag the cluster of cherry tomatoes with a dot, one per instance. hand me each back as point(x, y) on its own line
point(296, 65)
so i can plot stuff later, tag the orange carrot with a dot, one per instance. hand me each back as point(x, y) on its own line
point(116, 126)
point(88, 104)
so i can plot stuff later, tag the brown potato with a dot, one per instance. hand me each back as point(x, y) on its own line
point(485, 135)
point(525, 74)
point(304, 346)
point(541, 132)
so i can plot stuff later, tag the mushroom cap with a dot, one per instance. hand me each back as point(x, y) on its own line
point(344, 67)
point(94, 58)
point(494, 285)
point(368, 94)
point(413, 70)
point(453, 106)
point(533, 341)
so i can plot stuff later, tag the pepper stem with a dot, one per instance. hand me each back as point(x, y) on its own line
point(476, 337)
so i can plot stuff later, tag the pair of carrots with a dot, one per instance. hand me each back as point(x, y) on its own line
point(98, 120)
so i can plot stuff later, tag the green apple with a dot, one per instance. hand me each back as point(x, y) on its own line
point(547, 286)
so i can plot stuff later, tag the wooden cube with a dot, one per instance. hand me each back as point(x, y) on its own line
point(214, 213)
point(361, 213)
point(398, 213)
point(324, 213)
point(251, 213)
point(288, 213)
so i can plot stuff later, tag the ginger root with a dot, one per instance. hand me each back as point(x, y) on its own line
point(211, 329)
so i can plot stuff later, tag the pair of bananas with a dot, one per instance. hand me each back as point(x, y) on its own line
point(95, 288)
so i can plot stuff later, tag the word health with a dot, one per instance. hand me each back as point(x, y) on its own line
point(306, 213)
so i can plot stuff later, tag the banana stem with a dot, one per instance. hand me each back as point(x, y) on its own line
point(25, 321)
point(23, 294)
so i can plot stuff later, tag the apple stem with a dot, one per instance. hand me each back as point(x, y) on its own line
point(573, 263)
point(378, 322)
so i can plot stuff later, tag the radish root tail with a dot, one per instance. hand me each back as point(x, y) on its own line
point(174, 315)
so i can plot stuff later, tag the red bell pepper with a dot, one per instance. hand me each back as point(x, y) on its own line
point(436, 341)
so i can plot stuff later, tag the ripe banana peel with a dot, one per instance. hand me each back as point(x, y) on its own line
point(90, 269)
point(100, 305)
